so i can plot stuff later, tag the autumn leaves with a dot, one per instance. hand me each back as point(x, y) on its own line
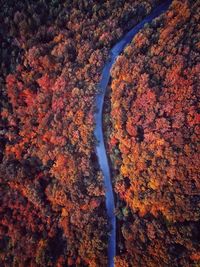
point(155, 118)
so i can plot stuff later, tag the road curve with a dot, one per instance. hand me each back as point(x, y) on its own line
point(100, 147)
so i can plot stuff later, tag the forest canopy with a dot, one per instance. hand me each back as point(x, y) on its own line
point(52, 203)
point(154, 141)
point(52, 195)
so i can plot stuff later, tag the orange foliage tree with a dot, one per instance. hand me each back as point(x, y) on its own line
point(155, 140)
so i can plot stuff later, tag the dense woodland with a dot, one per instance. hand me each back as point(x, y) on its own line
point(154, 143)
point(52, 203)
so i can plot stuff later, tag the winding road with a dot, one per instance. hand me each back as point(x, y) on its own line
point(100, 147)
